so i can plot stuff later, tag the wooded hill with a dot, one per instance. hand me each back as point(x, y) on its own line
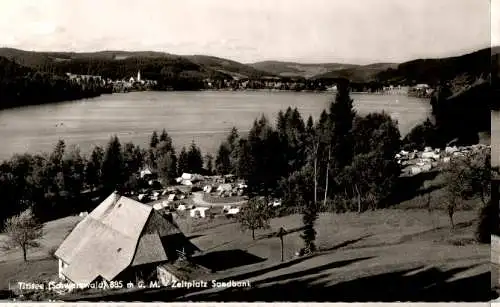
point(157, 65)
point(21, 85)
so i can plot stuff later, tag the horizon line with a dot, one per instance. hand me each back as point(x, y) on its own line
point(461, 52)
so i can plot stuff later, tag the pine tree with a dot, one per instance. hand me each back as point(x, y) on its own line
point(232, 146)
point(309, 217)
point(223, 160)
point(195, 159)
point(183, 164)
point(93, 168)
point(232, 139)
point(209, 164)
point(164, 137)
point(245, 161)
point(336, 135)
point(267, 162)
point(58, 153)
point(130, 159)
point(341, 116)
point(73, 171)
point(113, 168)
point(167, 167)
point(154, 140)
point(56, 167)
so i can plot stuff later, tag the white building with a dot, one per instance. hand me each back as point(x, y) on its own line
point(199, 211)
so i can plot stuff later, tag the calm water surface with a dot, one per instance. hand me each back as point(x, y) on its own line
point(204, 117)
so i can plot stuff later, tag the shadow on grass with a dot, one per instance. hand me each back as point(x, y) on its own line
point(344, 244)
point(172, 294)
point(409, 187)
point(223, 260)
point(275, 233)
point(427, 286)
point(312, 285)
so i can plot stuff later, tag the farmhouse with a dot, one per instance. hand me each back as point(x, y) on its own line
point(121, 239)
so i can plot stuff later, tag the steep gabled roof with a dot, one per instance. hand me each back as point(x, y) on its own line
point(104, 243)
point(149, 250)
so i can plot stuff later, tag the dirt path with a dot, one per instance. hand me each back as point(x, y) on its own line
point(198, 200)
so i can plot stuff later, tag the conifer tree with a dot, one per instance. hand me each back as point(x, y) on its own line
point(113, 168)
point(154, 140)
point(183, 164)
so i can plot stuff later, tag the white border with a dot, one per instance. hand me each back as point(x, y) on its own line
point(458, 304)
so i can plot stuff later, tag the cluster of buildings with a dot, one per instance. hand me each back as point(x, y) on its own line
point(183, 196)
point(269, 83)
point(417, 162)
point(420, 90)
point(131, 84)
point(87, 78)
point(123, 85)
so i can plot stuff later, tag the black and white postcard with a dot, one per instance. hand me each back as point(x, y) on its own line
point(249, 151)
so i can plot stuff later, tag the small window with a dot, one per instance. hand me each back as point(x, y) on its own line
point(119, 249)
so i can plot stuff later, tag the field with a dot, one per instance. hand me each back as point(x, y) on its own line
point(388, 254)
point(392, 254)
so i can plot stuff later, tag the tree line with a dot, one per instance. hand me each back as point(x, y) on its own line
point(21, 86)
point(63, 181)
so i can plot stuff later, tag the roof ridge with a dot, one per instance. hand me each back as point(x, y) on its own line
point(149, 208)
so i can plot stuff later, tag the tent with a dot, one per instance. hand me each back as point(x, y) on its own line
point(187, 182)
point(201, 211)
point(186, 176)
point(225, 187)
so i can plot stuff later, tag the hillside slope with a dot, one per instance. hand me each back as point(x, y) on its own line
point(471, 67)
point(293, 69)
point(226, 66)
point(365, 73)
point(118, 64)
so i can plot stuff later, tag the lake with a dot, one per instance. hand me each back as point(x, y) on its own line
point(205, 117)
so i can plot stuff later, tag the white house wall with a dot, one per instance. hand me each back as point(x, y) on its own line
point(62, 266)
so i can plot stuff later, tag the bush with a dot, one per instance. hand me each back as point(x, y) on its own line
point(488, 223)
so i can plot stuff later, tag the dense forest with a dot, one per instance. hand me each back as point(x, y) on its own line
point(122, 64)
point(23, 86)
point(467, 89)
point(471, 66)
point(456, 117)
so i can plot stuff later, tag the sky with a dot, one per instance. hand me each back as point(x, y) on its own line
point(313, 31)
point(495, 22)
